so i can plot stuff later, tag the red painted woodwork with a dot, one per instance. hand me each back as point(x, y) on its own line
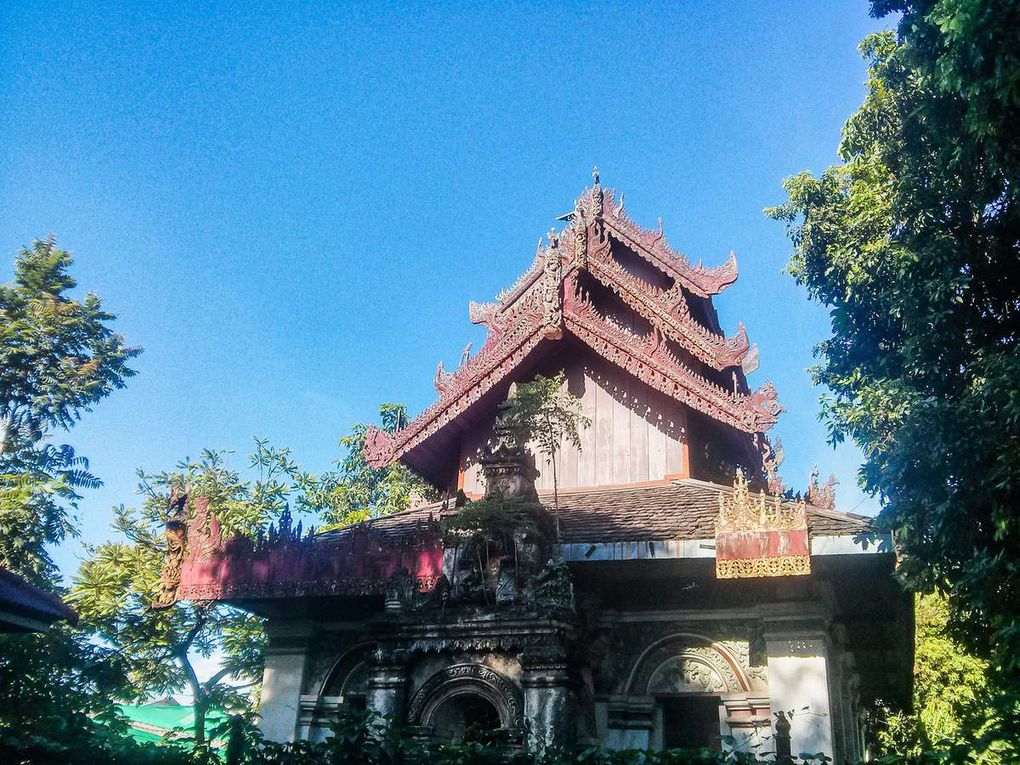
point(360, 562)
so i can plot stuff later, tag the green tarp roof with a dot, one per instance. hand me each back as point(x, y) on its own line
point(149, 722)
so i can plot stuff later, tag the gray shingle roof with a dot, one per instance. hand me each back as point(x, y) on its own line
point(680, 509)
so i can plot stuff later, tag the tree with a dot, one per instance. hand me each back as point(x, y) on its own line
point(58, 358)
point(949, 689)
point(545, 413)
point(913, 243)
point(117, 584)
point(356, 491)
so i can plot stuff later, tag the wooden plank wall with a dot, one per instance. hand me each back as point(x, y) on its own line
point(637, 434)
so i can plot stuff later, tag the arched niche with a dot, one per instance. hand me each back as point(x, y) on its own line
point(463, 716)
point(348, 678)
point(686, 663)
point(688, 681)
point(465, 695)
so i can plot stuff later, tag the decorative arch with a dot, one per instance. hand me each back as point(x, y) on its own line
point(685, 662)
point(349, 672)
point(467, 679)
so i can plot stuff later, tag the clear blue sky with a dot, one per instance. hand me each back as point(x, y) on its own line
point(290, 206)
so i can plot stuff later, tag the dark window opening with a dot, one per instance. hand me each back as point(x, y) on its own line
point(691, 722)
point(356, 702)
point(468, 717)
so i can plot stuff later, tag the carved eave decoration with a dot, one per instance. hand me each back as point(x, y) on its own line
point(545, 304)
point(760, 535)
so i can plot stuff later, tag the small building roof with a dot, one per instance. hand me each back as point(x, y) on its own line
point(156, 720)
point(27, 608)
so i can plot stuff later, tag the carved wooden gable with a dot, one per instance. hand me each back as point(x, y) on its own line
point(624, 296)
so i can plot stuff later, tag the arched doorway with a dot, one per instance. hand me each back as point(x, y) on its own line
point(345, 688)
point(687, 676)
point(464, 700)
point(347, 681)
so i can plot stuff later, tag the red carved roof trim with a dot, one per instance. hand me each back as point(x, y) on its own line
point(648, 359)
point(666, 309)
point(653, 247)
point(512, 336)
point(515, 334)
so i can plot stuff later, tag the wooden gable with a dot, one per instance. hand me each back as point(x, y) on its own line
point(632, 322)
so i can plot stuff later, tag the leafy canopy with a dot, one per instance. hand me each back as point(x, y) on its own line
point(913, 243)
point(949, 689)
point(117, 584)
point(58, 358)
point(356, 491)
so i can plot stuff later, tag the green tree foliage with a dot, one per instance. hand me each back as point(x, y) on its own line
point(358, 739)
point(545, 413)
point(117, 584)
point(57, 685)
point(949, 689)
point(58, 358)
point(913, 243)
point(356, 491)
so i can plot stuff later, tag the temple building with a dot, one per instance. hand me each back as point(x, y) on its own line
point(683, 598)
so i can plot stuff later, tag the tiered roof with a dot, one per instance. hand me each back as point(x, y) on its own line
point(684, 355)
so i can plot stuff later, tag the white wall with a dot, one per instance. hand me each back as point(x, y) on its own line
point(798, 678)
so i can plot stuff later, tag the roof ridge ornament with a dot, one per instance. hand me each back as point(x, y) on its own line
point(760, 536)
point(552, 282)
point(822, 495)
point(580, 228)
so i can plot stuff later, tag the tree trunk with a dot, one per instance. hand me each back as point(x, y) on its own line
point(556, 487)
point(198, 697)
point(199, 710)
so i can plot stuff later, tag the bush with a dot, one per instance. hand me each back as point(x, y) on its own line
point(359, 739)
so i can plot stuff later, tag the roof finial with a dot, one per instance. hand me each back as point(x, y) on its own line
point(596, 194)
point(551, 236)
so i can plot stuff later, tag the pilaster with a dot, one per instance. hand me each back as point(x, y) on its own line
point(387, 687)
point(548, 699)
point(798, 651)
point(286, 664)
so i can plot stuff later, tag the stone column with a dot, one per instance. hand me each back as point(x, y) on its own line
point(286, 667)
point(387, 686)
point(631, 723)
point(548, 699)
point(746, 718)
point(799, 677)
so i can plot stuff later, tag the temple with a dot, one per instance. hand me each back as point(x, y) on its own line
point(683, 597)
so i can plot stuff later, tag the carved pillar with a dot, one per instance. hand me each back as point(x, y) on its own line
point(388, 684)
point(286, 667)
point(548, 698)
